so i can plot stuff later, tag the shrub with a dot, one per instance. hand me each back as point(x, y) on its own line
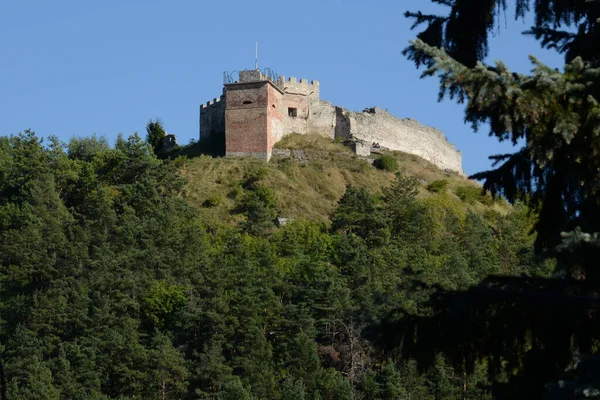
point(212, 202)
point(438, 186)
point(236, 191)
point(471, 194)
point(266, 195)
point(468, 194)
point(254, 175)
point(259, 206)
point(487, 199)
point(386, 163)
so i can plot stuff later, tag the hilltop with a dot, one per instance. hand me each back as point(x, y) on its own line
point(309, 183)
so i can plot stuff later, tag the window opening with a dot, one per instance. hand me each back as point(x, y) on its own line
point(292, 112)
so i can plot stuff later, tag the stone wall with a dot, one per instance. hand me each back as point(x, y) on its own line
point(212, 117)
point(313, 116)
point(374, 125)
point(303, 87)
point(407, 135)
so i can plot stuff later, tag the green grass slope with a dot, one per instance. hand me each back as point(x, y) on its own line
point(311, 188)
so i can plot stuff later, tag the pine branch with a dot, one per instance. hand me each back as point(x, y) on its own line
point(421, 18)
point(556, 113)
point(551, 38)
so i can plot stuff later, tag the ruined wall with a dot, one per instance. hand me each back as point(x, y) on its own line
point(298, 104)
point(212, 117)
point(377, 126)
point(407, 135)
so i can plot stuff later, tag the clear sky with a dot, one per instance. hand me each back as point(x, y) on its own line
point(75, 68)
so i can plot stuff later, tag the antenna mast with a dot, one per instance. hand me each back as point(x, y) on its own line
point(256, 59)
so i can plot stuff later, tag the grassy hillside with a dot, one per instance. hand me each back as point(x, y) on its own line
point(309, 188)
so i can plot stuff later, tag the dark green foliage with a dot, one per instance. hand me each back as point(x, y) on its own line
point(213, 146)
point(85, 149)
point(386, 162)
point(155, 135)
point(468, 194)
point(569, 27)
point(438, 186)
point(528, 333)
point(293, 389)
point(556, 112)
point(400, 204)
point(212, 202)
point(111, 287)
point(359, 213)
point(163, 303)
point(472, 194)
point(168, 366)
point(259, 207)
point(389, 383)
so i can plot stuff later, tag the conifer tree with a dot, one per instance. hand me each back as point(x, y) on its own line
point(556, 113)
point(529, 329)
point(155, 135)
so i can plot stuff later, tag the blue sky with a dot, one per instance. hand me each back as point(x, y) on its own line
point(75, 68)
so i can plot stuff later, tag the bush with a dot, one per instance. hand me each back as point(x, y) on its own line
point(266, 195)
point(468, 194)
point(253, 176)
point(471, 194)
point(486, 198)
point(386, 163)
point(212, 202)
point(259, 206)
point(438, 186)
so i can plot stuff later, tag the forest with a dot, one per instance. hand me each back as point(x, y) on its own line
point(114, 287)
point(115, 283)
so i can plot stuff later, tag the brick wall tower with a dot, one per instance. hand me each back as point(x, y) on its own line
point(253, 115)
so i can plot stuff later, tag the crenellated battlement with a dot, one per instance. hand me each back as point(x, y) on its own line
point(217, 101)
point(293, 79)
point(303, 87)
point(212, 117)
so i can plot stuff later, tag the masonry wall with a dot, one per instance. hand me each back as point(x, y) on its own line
point(407, 135)
point(376, 126)
point(313, 115)
point(253, 119)
point(212, 117)
point(246, 120)
point(276, 112)
point(302, 87)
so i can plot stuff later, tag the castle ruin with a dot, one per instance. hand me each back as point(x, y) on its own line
point(259, 109)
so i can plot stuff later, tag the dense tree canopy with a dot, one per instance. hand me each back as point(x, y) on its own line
point(111, 286)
